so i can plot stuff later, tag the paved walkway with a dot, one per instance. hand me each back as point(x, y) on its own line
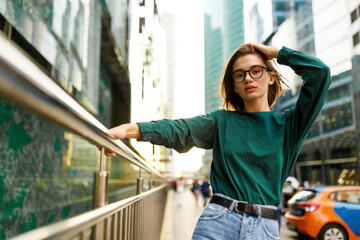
point(180, 220)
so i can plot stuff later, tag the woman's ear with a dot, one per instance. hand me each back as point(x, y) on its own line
point(272, 79)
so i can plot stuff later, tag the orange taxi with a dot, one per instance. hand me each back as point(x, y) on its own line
point(326, 212)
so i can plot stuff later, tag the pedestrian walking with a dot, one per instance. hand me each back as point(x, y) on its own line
point(254, 148)
point(205, 190)
point(173, 184)
point(180, 189)
point(196, 190)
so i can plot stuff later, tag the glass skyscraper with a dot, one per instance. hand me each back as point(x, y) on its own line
point(224, 31)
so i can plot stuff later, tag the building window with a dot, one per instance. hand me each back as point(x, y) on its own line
point(280, 19)
point(309, 47)
point(2, 22)
point(338, 93)
point(299, 5)
point(336, 117)
point(141, 24)
point(356, 38)
point(283, 6)
point(354, 15)
point(142, 2)
point(315, 129)
point(155, 8)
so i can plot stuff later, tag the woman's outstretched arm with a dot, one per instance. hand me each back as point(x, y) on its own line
point(179, 134)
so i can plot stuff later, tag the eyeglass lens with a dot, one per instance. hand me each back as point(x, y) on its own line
point(255, 72)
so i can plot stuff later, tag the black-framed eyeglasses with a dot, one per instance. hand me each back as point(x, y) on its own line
point(254, 72)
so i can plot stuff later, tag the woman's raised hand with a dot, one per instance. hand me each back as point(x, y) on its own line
point(269, 52)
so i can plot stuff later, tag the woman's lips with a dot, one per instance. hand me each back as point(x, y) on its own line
point(250, 88)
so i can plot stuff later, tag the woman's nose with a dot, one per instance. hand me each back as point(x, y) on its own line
point(248, 77)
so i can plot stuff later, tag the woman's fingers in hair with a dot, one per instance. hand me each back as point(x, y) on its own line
point(268, 51)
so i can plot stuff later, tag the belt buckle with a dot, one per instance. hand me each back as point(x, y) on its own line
point(235, 207)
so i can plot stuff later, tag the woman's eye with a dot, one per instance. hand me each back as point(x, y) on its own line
point(239, 75)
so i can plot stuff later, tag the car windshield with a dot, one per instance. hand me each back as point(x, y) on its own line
point(302, 195)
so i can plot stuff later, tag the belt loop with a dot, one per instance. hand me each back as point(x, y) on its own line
point(258, 211)
point(232, 205)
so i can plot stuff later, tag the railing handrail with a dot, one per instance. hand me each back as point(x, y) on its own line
point(23, 82)
point(74, 225)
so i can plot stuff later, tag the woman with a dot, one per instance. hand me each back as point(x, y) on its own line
point(254, 149)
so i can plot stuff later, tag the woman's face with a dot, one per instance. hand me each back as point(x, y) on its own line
point(252, 89)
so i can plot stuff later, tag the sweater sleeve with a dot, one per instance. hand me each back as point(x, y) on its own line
point(316, 77)
point(181, 134)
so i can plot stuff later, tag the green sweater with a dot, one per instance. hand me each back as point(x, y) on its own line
point(253, 153)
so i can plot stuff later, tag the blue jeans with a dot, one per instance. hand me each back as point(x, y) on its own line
point(219, 223)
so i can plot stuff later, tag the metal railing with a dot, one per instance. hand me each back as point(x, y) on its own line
point(23, 83)
point(138, 217)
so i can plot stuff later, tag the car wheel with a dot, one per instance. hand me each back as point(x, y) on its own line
point(333, 231)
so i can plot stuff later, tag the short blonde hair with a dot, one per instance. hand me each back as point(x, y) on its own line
point(231, 99)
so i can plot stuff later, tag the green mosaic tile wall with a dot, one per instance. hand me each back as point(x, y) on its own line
point(38, 185)
point(47, 173)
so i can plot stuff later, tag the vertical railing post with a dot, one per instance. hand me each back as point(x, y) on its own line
point(101, 183)
point(140, 183)
point(151, 182)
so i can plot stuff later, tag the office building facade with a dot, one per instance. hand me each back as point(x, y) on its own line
point(330, 151)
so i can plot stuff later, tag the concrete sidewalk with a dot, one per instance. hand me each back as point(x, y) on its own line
point(180, 220)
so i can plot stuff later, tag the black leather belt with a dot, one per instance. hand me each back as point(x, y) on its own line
point(244, 207)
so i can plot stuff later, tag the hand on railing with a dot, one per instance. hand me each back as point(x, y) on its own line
point(122, 131)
